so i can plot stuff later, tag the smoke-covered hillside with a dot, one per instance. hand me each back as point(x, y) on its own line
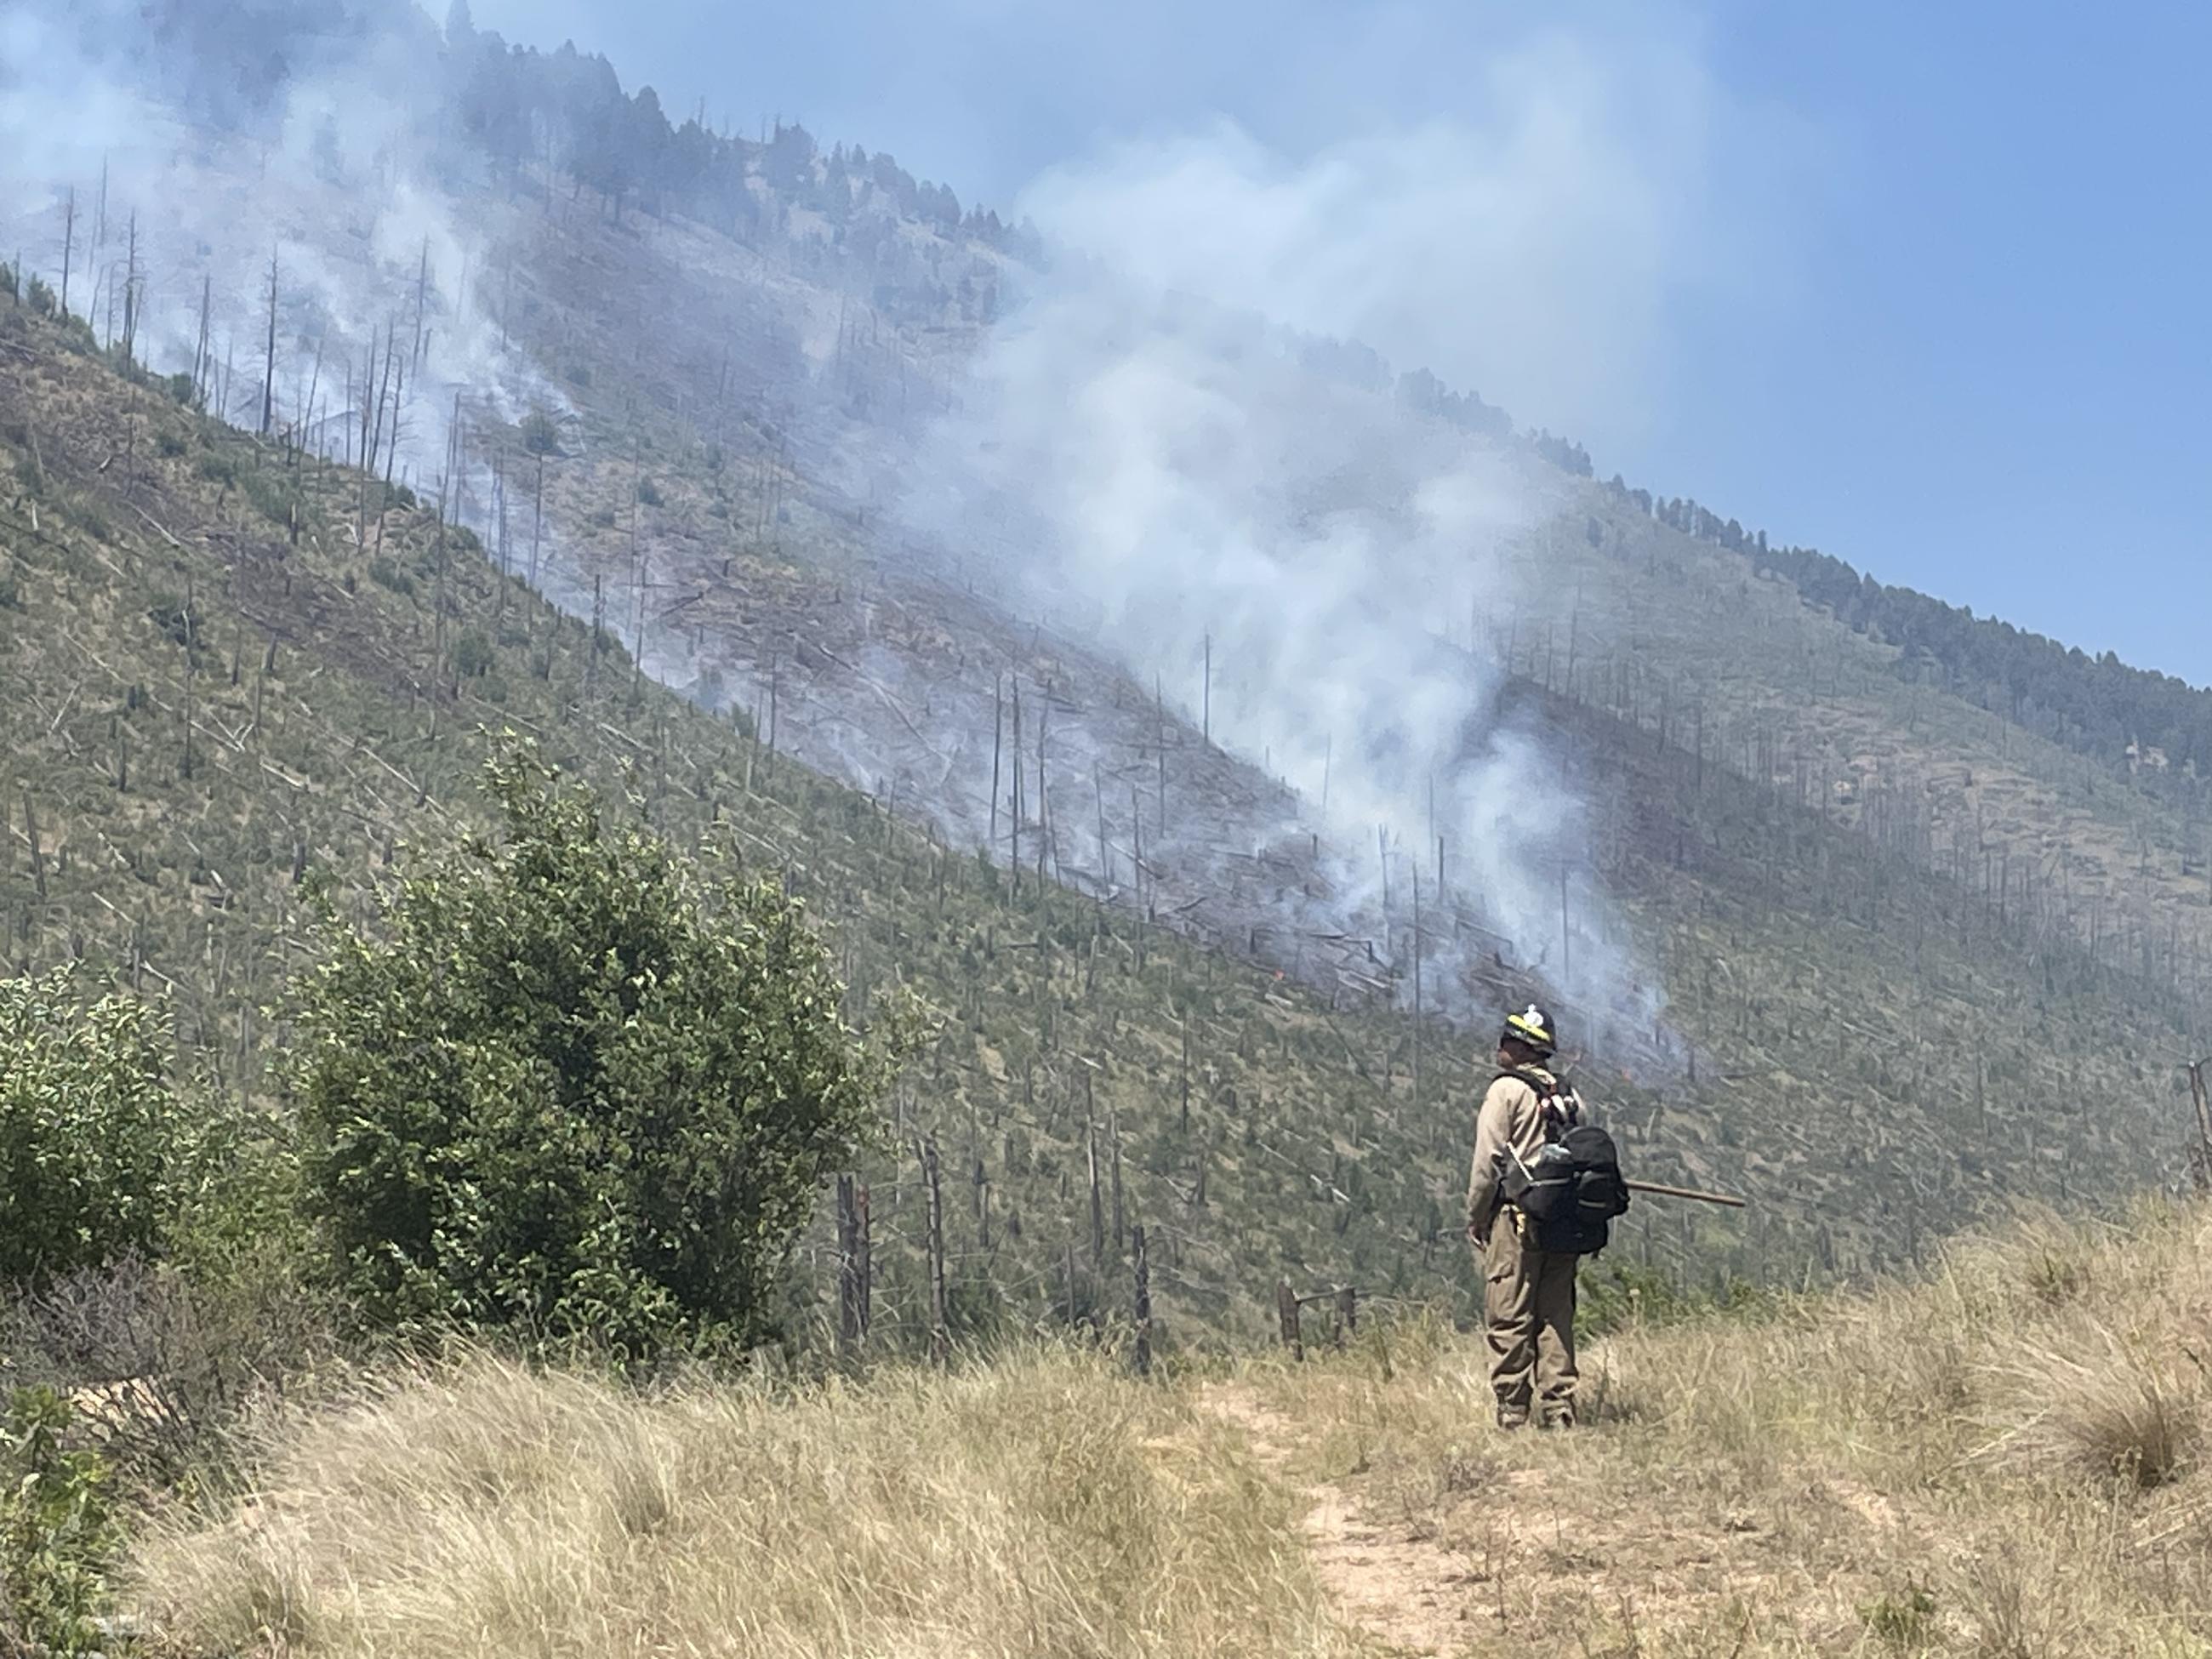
point(1145, 578)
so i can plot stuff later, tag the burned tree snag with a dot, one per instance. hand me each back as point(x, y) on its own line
point(940, 1337)
point(998, 735)
point(1097, 1215)
point(1142, 1309)
point(268, 366)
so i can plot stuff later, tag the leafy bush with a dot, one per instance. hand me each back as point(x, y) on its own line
point(94, 1146)
point(385, 571)
point(1904, 1620)
point(273, 495)
point(472, 654)
point(572, 1084)
point(58, 1534)
point(167, 612)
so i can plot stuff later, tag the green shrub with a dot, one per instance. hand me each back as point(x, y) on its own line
point(167, 612)
point(272, 494)
point(59, 1534)
point(218, 469)
point(572, 1084)
point(472, 654)
point(1904, 1620)
point(94, 1146)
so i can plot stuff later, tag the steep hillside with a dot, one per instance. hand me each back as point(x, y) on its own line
point(216, 691)
point(767, 409)
point(1885, 959)
point(2018, 862)
point(219, 684)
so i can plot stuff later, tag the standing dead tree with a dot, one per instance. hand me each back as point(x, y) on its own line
point(69, 248)
point(269, 368)
point(204, 353)
point(940, 1335)
point(2201, 1161)
point(133, 295)
point(1142, 1307)
point(854, 1270)
point(998, 735)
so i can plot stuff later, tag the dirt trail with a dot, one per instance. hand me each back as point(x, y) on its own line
point(1519, 1552)
point(1407, 1592)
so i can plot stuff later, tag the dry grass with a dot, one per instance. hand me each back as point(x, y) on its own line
point(2000, 1461)
point(1041, 1506)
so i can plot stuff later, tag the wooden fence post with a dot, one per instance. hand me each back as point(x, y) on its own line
point(1144, 1303)
point(1286, 1310)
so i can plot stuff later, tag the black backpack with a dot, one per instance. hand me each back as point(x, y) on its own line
point(1572, 1189)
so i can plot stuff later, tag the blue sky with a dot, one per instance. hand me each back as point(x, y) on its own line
point(1923, 285)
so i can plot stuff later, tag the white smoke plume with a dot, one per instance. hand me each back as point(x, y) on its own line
point(1167, 448)
point(186, 187)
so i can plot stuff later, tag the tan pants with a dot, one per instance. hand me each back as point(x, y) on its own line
point(1528, 1312)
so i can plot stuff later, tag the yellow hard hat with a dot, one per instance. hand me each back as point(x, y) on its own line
point(1533, 1026)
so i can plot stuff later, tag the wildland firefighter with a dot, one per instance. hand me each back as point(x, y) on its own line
point(1544, 1189)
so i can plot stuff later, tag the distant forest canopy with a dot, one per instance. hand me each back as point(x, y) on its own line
point(230, 61)
point(2154, 724)
point(522, 105)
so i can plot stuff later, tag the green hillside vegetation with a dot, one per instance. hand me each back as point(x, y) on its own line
point(1688, 636)
point(1874, 1052)
point(2097, 705)
point(205, 713)
point(1739, 743)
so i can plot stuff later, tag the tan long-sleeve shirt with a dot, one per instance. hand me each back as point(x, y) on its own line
point(1512, 1117)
